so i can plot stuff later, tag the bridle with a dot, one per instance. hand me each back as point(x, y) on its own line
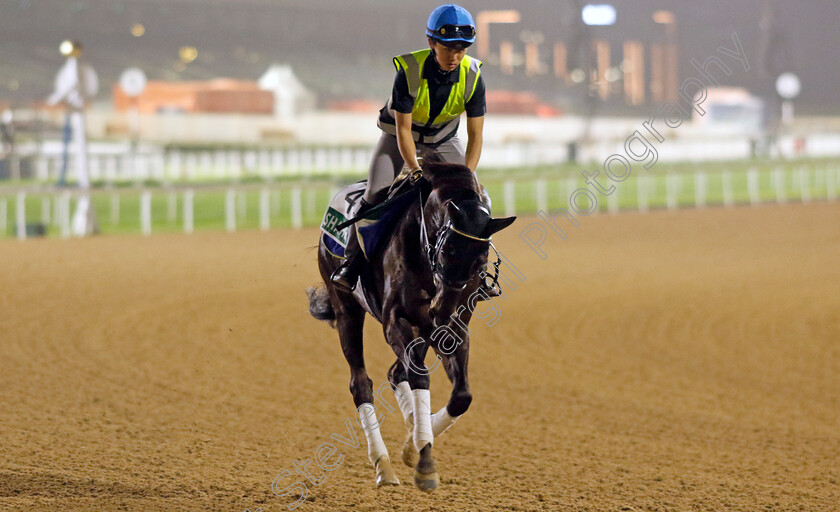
point(432, 252)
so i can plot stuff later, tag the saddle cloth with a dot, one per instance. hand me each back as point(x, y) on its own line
point(371, 232)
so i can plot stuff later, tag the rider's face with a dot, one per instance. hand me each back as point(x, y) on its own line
point(447, 58)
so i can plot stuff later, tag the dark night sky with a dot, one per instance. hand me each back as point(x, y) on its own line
point(343, 48)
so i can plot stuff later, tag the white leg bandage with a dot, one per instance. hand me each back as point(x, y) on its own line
point(422, 418)
point(441, 421)
point(404, 399)
point(370, 423)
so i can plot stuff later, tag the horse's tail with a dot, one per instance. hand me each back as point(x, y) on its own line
point(319, 304)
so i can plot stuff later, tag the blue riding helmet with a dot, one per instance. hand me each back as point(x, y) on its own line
point(452, 26)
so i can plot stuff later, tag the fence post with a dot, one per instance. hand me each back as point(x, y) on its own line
point(230, 210)
point(612, 202)
point(700, 190)
point(265, 209)
point(830, 183)
point(726, 182)
point(64, 214)
point(779, 183)
point(671, 190)
point(20, 215)
point(542, 195)
point(752, 186)
point(510, 198)
point(642, 192)
point(297, 215)
point(189, 195)
point(146, 212)
point(804, 184)
point(571, 185)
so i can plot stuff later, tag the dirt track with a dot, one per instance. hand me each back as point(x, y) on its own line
point(669, 361)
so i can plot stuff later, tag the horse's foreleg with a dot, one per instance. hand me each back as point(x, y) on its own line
point(361, 387)
point(460, 399)
point(402, 392)
point(412, 353)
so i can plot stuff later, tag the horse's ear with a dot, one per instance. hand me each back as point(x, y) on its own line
point(496, 225)
point(458, 217)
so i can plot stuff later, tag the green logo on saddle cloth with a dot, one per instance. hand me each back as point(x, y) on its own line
point(333, 218)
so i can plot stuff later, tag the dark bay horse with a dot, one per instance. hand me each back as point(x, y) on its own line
point(426, 280)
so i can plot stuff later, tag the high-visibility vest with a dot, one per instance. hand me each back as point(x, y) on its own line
point(418, 87)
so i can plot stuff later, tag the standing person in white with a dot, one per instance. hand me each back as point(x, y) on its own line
point(75, 83)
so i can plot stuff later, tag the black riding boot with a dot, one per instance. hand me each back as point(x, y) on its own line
point(347, 274)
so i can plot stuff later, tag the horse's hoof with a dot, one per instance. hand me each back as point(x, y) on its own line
point(425, 475)
point(409, 452)
point(426, 482)
point(385, 474)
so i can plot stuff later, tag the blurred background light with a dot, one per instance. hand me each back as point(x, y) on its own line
point(187, 54)
point(598, 14)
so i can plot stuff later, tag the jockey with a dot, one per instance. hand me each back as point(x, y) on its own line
point(433, 87)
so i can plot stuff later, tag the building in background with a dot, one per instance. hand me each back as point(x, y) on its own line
point(730, 110)
point(291, 97)
point(214, 96)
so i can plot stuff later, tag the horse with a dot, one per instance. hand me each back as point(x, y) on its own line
point(427, 278)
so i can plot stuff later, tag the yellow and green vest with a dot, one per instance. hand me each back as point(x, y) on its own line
point(418, 87)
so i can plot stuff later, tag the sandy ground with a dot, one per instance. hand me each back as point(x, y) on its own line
point(669, 361)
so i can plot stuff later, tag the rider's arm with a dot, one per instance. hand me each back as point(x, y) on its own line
point(476, 107)
point(475, 139)
point(405, 141)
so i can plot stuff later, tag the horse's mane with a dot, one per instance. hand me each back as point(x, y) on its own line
point(450, 181)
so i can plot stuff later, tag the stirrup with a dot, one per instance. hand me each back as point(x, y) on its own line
point(340, 277)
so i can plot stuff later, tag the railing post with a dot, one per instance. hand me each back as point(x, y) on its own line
point(510, 198)
point(64, 214)
point(265, 209)
point(671, 190)
point(297, 214)
point(804, 184)
point(146, 212)
point(752, 186)
point(642, 193)
point(726, 181)
point(779, 184)
point(20, 215)
point(542, 195)
point(700, 190)
point(189, 195)
point(230, 210)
